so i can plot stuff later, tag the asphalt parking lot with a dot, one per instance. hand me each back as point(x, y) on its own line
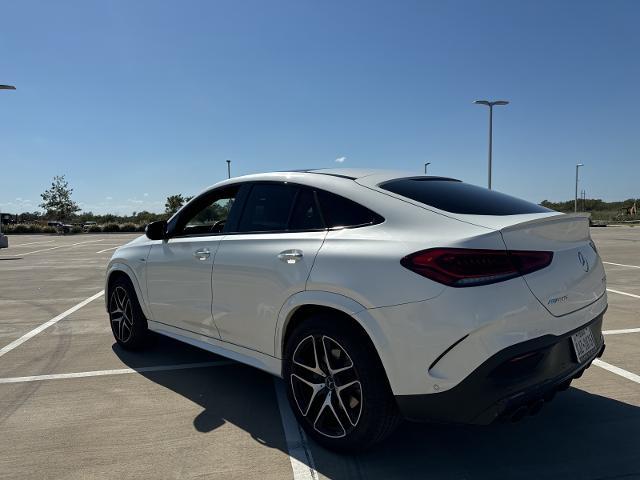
point(73, 405)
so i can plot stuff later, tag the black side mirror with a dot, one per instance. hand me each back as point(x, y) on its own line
point(156, 230)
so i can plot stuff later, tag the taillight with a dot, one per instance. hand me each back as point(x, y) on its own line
point(461, 267)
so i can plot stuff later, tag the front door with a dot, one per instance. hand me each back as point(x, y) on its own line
point(179, 269)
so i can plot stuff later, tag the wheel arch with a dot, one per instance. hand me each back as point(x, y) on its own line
point(304, 304)
point(118, 270)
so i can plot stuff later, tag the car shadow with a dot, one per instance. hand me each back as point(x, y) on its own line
point(579, 435)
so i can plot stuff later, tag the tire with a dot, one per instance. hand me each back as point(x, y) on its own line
point(345, 404)
point(128, 323)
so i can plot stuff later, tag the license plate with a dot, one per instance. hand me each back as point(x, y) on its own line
point(583, 343)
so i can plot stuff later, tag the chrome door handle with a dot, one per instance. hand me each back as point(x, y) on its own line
point(290, 256)
point(202, 253)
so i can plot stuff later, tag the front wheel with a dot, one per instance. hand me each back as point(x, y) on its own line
point(337, 386)
point(128, 323)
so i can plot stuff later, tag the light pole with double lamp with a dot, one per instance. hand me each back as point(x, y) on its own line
point(490, 105)
point(575, 204)
point(4, 243)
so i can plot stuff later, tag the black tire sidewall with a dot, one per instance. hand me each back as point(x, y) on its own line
point(378, 402)
point(140, 329)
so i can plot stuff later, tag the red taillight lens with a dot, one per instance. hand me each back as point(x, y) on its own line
point(461, 267)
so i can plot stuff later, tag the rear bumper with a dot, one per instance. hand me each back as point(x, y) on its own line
point(513, 382)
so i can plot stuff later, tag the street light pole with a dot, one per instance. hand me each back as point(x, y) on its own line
point(3, 242)
point(490, 105)
point(228, 168)
point(425, 167)
point(575, 204)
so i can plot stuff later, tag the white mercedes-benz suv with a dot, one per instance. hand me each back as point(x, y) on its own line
point(375, 295)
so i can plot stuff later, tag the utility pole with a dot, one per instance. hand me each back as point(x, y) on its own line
point(4, 242)
point(490, 105)
point(425, 167)
point(575, 205)
point(228, 168)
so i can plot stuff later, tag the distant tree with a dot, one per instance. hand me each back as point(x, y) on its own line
point(173, 204)
point(56, 201)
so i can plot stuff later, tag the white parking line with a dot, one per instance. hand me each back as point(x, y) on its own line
point(621, 331)
point(299, 453)
point(44, 326)
point(52, 248)
point(107, 249)
point(31, 243)
point(119, 371)
point(617, 370)
point(622, 265)
point(622, 293)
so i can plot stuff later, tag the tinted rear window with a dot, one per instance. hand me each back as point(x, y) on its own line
point(456, 197)
point(267, 208)
point(305, 214)
point(340, 212)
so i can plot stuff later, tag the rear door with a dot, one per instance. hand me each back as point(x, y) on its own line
point(265, 261)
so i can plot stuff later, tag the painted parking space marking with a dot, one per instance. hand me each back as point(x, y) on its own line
point(44, 326)
point(300, 455)
point(621, 331)
point(54, 248)
point(623, 293)
point(617, 370)
point(118, 371)
point(31, 243)
point(621, 265)
point(107, 249)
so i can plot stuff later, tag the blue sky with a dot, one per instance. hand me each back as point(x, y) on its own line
point(134, 101)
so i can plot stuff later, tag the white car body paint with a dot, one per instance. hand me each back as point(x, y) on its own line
point(411, 320)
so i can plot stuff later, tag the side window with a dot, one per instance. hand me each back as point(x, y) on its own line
point(208, 214)
point(337, 211)
point(306, 215)
point(267, 208)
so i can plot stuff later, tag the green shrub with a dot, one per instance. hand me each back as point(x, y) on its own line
point(111, 227)
point(17, 228)
point(23, 228)
point(48, 229)
point(140, 228)
point(94, 229)
point(76, 229)
point(128, 227)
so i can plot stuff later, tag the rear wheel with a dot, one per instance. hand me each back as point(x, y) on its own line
point(337, 386)
point(128, 323)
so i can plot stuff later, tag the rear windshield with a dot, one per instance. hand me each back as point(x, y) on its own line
point(456, 197)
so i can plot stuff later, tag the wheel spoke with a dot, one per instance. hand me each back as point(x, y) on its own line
point(327, 404)
point(336, 354)
point(354, 403)
point(315, 389)
point(315, 368)
point(121, 295)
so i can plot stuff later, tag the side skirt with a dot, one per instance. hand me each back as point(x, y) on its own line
point(240, 354)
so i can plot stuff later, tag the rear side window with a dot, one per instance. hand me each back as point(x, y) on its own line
point(267, 208)
point(337, 211)
point(306, 215)
point(456, 197)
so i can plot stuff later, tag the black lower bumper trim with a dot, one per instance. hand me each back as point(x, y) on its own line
point(511, 384)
